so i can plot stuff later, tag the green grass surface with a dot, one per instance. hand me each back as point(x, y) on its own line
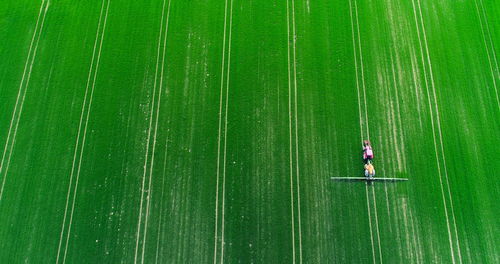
point(174, 131)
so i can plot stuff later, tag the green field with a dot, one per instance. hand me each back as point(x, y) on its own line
point(168, 131)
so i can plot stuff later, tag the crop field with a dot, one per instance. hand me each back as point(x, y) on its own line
point(204, 131)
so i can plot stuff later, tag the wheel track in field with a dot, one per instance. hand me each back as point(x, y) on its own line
point(493, 52)
point(494, 59)
point(21, 95)
point(152, 131)
point(79, 147)
point(293, 132)
point(364, 123)
point(155, 134)
point(437, 139)
point(436, 105)
point(221, 161)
